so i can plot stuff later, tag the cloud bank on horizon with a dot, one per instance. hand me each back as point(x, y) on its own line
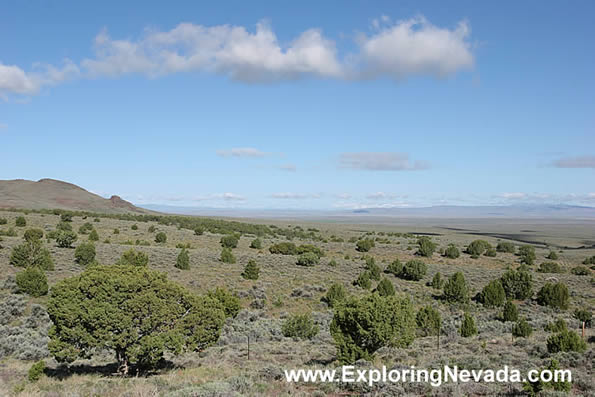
point(394, 50)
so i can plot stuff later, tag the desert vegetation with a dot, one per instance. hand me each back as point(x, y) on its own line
point(235, 303)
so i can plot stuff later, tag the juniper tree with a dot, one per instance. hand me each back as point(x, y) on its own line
point(84, 254)
point(468, 327)
point(335, 294)
point(183, 260)
point(32, 281)
point(456, 289)
point(385, 287)
point(493, 294)
point(106, 308)
point(251, 271)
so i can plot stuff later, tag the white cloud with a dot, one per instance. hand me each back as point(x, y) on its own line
point(14, 80)
point(415, 47)
point(343, 196)
point(381, 196)
point(288, 167)
point(380, 161)
point(241, 152)
point(513, 196)
point(395, 50)
point(296, 196)
point(575, 162)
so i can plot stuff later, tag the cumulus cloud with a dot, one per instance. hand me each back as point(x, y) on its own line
point(575, 162)
point(395, 50)
point(381, 196)
point(380, 161)
point(415, 47)
point(241, 152)
point(14, 80)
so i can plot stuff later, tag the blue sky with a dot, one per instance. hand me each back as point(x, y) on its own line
point(302, 104)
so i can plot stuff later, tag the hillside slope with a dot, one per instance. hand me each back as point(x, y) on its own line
point(51, 194)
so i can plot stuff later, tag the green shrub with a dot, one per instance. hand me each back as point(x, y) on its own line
point(36, 371)
point(565, 341)
point(93, 236)
point(65, 217)
point(85, 228)
point(413, 270)
point(134, 258)
point(490, 252)
point(527, 254)
point(256, 244)
point(116, 231)
point(552, 256)
point(361, 326)
point(506, 247)
point(230, 302)
point(550, 267)
point(152, 229)
point(134, 227)
point(183, 260)
point(584, 316)
point(558, 325)
point(535, 388)
point(395, 267)
point(426, 246)
point(437, 281)
point(335, 294)
point(65, 239)
point(230, 241)
point(452, 252)
point(64, 226)
point(517, 284)
point(477, 247)
point(364, 245)
point(428, 321)
point(300, 326)
point(510, 312)
point(160, 237)
point(32, 281)
point(8, 233)
point(332, 263)
point(84, 254)
point(589, 261)
point(308, 259)
point(251, 271)
point(580, 271)
point(493, 294)
point(468, 327)
point(385, 287)
point(554, 295)
point(363, 280)
point(177, 321)
point(31, 254)
point(456, 289)
point(373, 269)
point(522, 329)
point(198, 231)
point(227, 256)
point(283, 248)
point(3, 221)
point(32, 235)
point(20, 222)
point(304, 248)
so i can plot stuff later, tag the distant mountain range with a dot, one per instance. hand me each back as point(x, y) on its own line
point(54, 194)
point(445, 212)
point(51, 193)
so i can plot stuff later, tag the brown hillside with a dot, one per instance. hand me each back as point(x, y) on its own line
point(51, 193)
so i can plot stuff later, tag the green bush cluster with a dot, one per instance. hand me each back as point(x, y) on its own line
point(566, 341)
point(361, 326)
point(456, 289)
point(84, 254)
point(363, 280)
point(527, 254)
point(506, 247)
point(65, 239)
point(183, 260)
point(517, 284)
point(36, 371)
point(229, 301)
point(477, 247)
point(510, 312)
point(426, 246)
point(413, 270)
point(20, 221)
point(550, 267)
point(522, 329)
point(468, 327)
point(308, 259)
point(364, 245)
point(335, 294)
point(256, 244)
point(230, 241)
point(283, 248)
point(134, 258)
point(452, 252)
point(160, 238)
point(299, 326)
point(428, 321)
point(554, 295)
point(385, 287)
point(227, 256)
point(32, 281)
point(251, 271)
point(493, 294)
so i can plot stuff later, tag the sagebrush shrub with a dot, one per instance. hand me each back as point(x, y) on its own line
point(32, 235)
point(550, 267)
point(308, 259)
point(580, 271)
point(364, 245)
point(256, 244)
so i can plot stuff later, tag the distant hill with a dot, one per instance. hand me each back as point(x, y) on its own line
point(54, 194)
